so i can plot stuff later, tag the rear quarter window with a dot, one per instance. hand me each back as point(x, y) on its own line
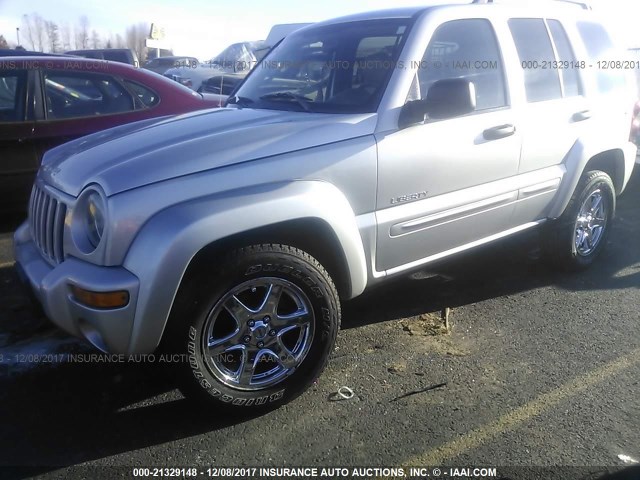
point(148, 97)
point(602, 56)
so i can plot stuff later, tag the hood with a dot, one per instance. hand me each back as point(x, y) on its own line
point(151, 151)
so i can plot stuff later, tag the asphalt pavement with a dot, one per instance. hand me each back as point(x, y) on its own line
point(537, 369)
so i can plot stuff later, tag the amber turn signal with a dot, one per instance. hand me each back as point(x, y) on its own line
point(117, 299)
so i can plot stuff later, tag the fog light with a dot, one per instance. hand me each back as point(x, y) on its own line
point(117, 299)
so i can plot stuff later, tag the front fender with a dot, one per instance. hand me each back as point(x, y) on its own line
point(164, 247)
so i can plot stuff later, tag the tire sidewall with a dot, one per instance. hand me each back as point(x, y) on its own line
point(250, 266)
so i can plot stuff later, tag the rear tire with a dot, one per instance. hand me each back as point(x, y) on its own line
point(257, 328)
point(577, 238)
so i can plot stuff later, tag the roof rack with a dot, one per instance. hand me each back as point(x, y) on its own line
point(584, 5)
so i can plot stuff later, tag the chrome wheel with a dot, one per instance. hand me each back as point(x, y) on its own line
point(258, 333)
point(590, 224)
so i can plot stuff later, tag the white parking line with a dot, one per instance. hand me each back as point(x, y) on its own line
point(7, 264)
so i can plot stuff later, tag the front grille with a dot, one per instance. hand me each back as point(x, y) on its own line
point(46, 218)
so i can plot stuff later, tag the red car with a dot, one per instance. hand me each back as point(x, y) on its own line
point(46, 101)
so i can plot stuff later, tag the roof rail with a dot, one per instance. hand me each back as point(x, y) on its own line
point(585, 5)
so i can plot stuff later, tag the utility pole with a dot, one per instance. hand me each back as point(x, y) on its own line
point(18, 34)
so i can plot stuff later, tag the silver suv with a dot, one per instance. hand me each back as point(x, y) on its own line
point(359, 149)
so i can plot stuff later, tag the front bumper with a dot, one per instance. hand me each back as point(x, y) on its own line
point(107, 329)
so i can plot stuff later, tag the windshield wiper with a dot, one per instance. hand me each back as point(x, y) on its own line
point(240, 101)
point(289, 96)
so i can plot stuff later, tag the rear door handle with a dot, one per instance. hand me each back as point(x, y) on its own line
point(581, 116)
point(500, 131)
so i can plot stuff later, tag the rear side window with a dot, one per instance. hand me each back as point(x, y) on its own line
point(118, 56)
point(535, 52)
point(566, 58)
point(465, 49)
point(13, 87)
point(601, 53)
point(75, 94)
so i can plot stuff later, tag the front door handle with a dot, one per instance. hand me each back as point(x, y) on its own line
point(581, 116)
point(498, 132)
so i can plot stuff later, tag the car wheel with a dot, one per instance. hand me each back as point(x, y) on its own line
point(576, 239)
point(258, 329)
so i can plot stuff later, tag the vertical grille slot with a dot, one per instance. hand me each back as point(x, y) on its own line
point(46, 218)
point(58, 229)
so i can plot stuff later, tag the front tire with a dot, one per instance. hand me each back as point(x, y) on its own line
point(257, 328)
point(576, 239)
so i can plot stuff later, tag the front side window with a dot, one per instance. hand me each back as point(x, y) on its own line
point(13, 88)
point(536, 52)
point(342, 68)
point(465, 49)
point(76, 94)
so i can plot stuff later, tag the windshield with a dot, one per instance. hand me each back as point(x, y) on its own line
point(339, 68)
point(240, 56)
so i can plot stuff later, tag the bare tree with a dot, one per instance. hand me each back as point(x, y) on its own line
point(65, 33)
point(34, 25)
point(95, 40)
point(136, 36)
point(119, 42)
point(53, 36)
point(82, 33)
point(3, 42)
point(28, 31)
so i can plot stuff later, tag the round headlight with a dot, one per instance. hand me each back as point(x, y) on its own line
point(89, 220)
point(95, 214)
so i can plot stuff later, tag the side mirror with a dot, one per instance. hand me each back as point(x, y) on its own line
point(451, 98)
point(447, 98)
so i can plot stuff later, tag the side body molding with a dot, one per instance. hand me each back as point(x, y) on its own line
point(163, 248)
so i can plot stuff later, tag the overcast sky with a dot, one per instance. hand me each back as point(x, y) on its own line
point(202, 28)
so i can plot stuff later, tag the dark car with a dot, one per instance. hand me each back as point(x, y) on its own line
point(162, 64)
point(46, 101)
point(122, 55)
point(236, 58)
point(7, 52)
point(222, 84)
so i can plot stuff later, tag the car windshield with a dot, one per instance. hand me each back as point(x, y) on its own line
point(240, 56)
point(339, 68)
